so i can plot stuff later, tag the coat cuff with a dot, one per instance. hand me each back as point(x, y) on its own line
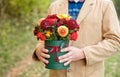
point(86, 56)
point(87, 53)
point(34, 56)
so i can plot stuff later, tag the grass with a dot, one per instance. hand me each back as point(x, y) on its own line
point(112, 65)
point(35, 70)
point(16, 42)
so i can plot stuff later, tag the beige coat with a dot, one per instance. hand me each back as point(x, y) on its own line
point(99, 37)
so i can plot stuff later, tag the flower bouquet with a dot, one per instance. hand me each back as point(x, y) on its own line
point(56, 30)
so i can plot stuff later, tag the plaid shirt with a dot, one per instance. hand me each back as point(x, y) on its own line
point(74, 8)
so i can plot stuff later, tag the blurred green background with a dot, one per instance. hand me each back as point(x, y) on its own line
point(17, 42)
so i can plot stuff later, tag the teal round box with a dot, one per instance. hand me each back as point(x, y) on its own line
point(54, 47)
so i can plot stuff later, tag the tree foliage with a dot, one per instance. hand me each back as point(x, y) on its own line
point(117, 5)
point(22, 7)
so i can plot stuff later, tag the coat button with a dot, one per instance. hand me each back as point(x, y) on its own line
point(69, 70)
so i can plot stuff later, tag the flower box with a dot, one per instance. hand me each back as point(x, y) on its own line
point(54, 48)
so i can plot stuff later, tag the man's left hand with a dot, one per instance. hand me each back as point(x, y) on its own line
point(73, 54)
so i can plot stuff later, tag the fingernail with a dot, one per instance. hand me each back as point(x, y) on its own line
point(60, 61)
point(61, 50)
point(49, 56)
point(47, 50)
point(47, 62)
point(65, 64)
point(59, 58)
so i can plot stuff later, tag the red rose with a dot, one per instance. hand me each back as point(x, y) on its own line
point(61, 22)
point(35, 30)
point(73, 36)
point(47, 23)
point(41, 36)
point(72, 24)
point(54, 16)
point(39, 22)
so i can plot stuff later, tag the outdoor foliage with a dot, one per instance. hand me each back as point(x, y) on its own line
point(18, 8)
point(117, 5)
point(17, 41)
point(16, 37)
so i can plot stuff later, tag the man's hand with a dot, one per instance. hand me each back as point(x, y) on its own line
point(73, 54)
point(42, 55)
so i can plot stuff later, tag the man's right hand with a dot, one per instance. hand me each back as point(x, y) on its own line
point(42, 55)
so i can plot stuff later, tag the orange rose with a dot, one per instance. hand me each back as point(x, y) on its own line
point(62, 31)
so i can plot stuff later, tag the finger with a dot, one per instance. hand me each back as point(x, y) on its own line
point(65, 56)
point(39, 50)
point(44, 60)
point(44, 50)
point(66, 63)
point(66, 49)
point(44, 55)
point(65, 60)
point(41, 54)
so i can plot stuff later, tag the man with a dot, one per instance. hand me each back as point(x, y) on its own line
point(99, 37)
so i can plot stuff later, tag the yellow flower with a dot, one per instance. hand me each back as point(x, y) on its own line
point(62, 31)
point(63, 16)
point(48, 33)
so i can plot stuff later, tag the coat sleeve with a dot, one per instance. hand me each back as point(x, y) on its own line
point(111, 37)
